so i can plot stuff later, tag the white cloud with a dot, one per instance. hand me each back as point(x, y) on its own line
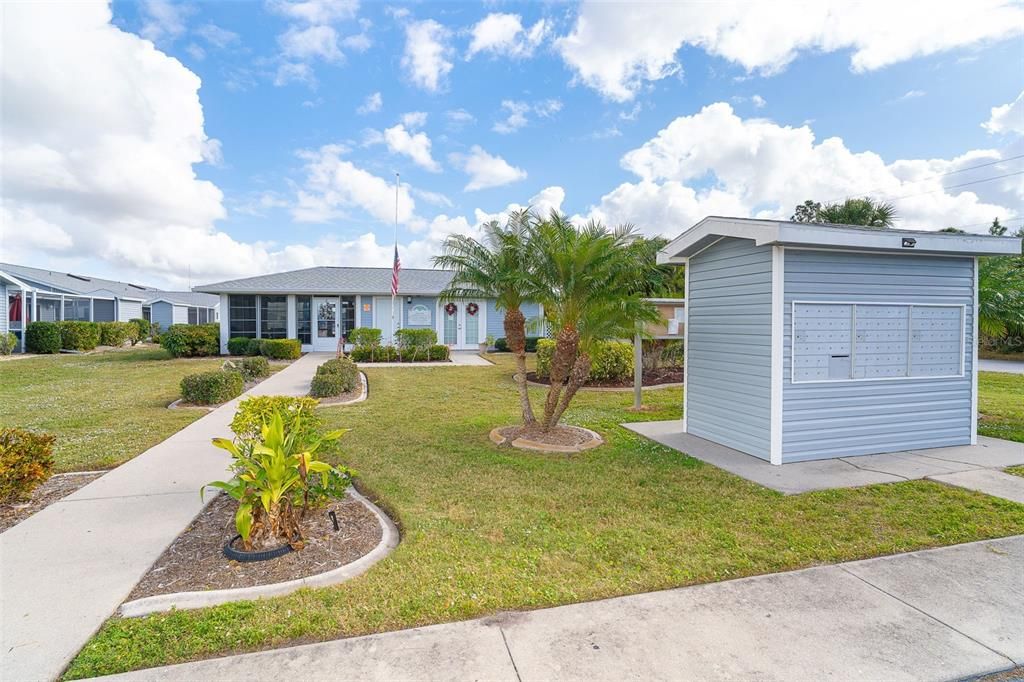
point(298, 72)
point(542, 203)
point(516, 113)
point(371, 104)
point(912, 94)
point(504, 34)
point(196, 52)
point(458, 118)
point(165, 20)
point(311, 42)
point(414, 119)
point(758, 101)
point(211, 151)
point(427, 56)
point(1007, 118)
point(217, 36)
point(414, 145)
point(315, 11)
point(616, 48)
point(485, 170)
point(759, 168)
point(434, 198)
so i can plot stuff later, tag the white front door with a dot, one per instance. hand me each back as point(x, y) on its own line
point(462, 324)
point(325, 323)
point(382, 317)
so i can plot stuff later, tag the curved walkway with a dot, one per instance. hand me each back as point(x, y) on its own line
point(64, 571)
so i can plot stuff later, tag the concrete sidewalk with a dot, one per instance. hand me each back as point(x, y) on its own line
point(939, 614)
point(64, 571)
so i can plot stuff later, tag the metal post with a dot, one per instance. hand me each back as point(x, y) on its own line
point(24, 318)
point(638, 372)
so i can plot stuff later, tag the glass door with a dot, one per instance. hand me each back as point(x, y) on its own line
point(326, 338)
point(451, 310)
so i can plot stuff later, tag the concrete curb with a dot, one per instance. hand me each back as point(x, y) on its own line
point(611, 389)
point(525, 444)
point(362, 396)
point(197, 600)
point(178, 405)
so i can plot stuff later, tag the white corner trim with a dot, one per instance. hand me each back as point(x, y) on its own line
point(974, 359)
point(778, 329)
point(686, 335)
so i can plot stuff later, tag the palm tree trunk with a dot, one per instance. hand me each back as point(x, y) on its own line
point(577, 377)
point(566, 344)
point(515, 334)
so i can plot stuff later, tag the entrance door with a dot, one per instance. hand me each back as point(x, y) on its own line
point(462, 324)
point(382, 317)
point(325, 311)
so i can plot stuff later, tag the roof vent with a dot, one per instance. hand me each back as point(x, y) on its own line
point(84, 279)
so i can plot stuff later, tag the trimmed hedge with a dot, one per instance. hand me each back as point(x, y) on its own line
point(415, 338)
point(435, 353)
point(210, 388)
point(144, 328)
point(344, 368)
point(42, 337)
point(26, 460)
point(297, 413)
point(8, 342)
point(79, 335)
point(191, 340)
point(609, 360)
point(239, 345)
point(281, 349)
point(117, 333)
point(501, 345)
point(255, 368)
point(364, 336)
point(327, 385)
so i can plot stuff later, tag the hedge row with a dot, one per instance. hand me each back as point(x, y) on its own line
point(191, 340)
point(334, 377)
point(51, 337)
point(26, 460)
point(277, 349)
point(211, 388)
point(435, 353)
point(609, 360)
point(501, 345)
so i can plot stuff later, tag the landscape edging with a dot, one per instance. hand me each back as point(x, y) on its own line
point(197, 600)
point(362, 396)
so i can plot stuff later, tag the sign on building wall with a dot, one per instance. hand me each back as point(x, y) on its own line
point(419, 316)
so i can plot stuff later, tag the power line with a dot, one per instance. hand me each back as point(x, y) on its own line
point(963, 184)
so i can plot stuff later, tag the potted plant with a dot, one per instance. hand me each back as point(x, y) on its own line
point(488, 344)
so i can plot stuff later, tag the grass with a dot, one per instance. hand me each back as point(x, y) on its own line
point(1001, 403)
point(486, 529)
point(1016, 471)
point(104, 408)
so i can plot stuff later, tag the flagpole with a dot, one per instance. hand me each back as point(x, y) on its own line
point(398, 181)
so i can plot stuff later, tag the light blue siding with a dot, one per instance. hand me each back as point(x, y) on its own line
point(729, 354)
point(366, 316)
point(429, 301)
point(163, 314)
point(6, 310)
point(838, 418)
point(496, 319)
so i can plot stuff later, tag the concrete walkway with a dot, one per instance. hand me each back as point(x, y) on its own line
point(1011, 366)
point(844, 472)
point(64, 571)
point(940, 614)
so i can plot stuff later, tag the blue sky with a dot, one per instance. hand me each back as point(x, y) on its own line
point(651, 114)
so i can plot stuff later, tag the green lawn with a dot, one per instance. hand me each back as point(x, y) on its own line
point(486, 529)
point(104, 408)
point(1001, 403)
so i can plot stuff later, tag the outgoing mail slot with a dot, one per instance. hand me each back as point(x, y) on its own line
point(838, 366)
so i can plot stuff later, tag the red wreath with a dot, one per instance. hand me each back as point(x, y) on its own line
point(472, 308)
point(451, 308)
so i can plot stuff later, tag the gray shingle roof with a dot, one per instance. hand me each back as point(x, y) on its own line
point(81, 284)
point(191, 298)
point(336, 280)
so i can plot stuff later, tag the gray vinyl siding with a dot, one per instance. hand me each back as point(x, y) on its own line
point(163, 314)
point(6, 311)
point(180, 314)
point(128, 310)
point(728, 371)
point(835, 419)
point(496, 319)
point(429, 301)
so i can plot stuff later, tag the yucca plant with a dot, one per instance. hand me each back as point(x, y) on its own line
point(277, 479)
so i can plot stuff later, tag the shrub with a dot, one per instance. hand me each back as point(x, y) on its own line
point(298, 413)
point(210, 388)
point(281, 349)
point(239, 345)
point(344, 368)
point(545, 349)
point(433, 353)
point(42, 337)
point(255, 368)
point(415, 338)
point(78, 335)
point(365, 336)
point(327, 385)
point(26, 460)
point(191, 340)
point(116, 333)
point(254, 347)
point(8, 342)
point(144, 328)
point(609, 360)
point(501, 345)
point(374, 354)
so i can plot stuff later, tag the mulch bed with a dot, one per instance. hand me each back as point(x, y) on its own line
point(195, 561)
point(57, 488)
point(560, 435)
point(652, 377)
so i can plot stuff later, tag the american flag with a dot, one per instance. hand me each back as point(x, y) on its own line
point(395, 269)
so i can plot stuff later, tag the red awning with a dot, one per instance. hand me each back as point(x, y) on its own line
point(15, 309)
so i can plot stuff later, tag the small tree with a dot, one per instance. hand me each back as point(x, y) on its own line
point(997, 229)
point(866, 212)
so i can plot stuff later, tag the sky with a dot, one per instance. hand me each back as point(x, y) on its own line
point(179, 143)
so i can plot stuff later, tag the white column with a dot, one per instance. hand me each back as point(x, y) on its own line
point(778, 313)
point(293, 331)
point(686, 335)
point(974, 358)
point(24, 318)
point(225, 323)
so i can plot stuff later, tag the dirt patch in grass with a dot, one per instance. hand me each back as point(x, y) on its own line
point(57, 488)
point(560, 435)
point(652, 377)
point(195, 560)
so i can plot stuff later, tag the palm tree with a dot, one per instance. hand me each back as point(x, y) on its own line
point(866, 212)
point(590, 282)
point(1000, 296)
point(496, 267)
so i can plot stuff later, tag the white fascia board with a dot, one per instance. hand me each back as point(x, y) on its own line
point(892, 240)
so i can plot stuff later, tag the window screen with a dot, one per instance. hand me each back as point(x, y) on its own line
point(303, 317)
point(863, 341)
point(273, 317)
point(242, 316)
point(193, 315)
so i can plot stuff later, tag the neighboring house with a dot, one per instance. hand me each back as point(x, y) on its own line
point(33, 294)
point(181, 307)
point(807, 341)
point(319, 305)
